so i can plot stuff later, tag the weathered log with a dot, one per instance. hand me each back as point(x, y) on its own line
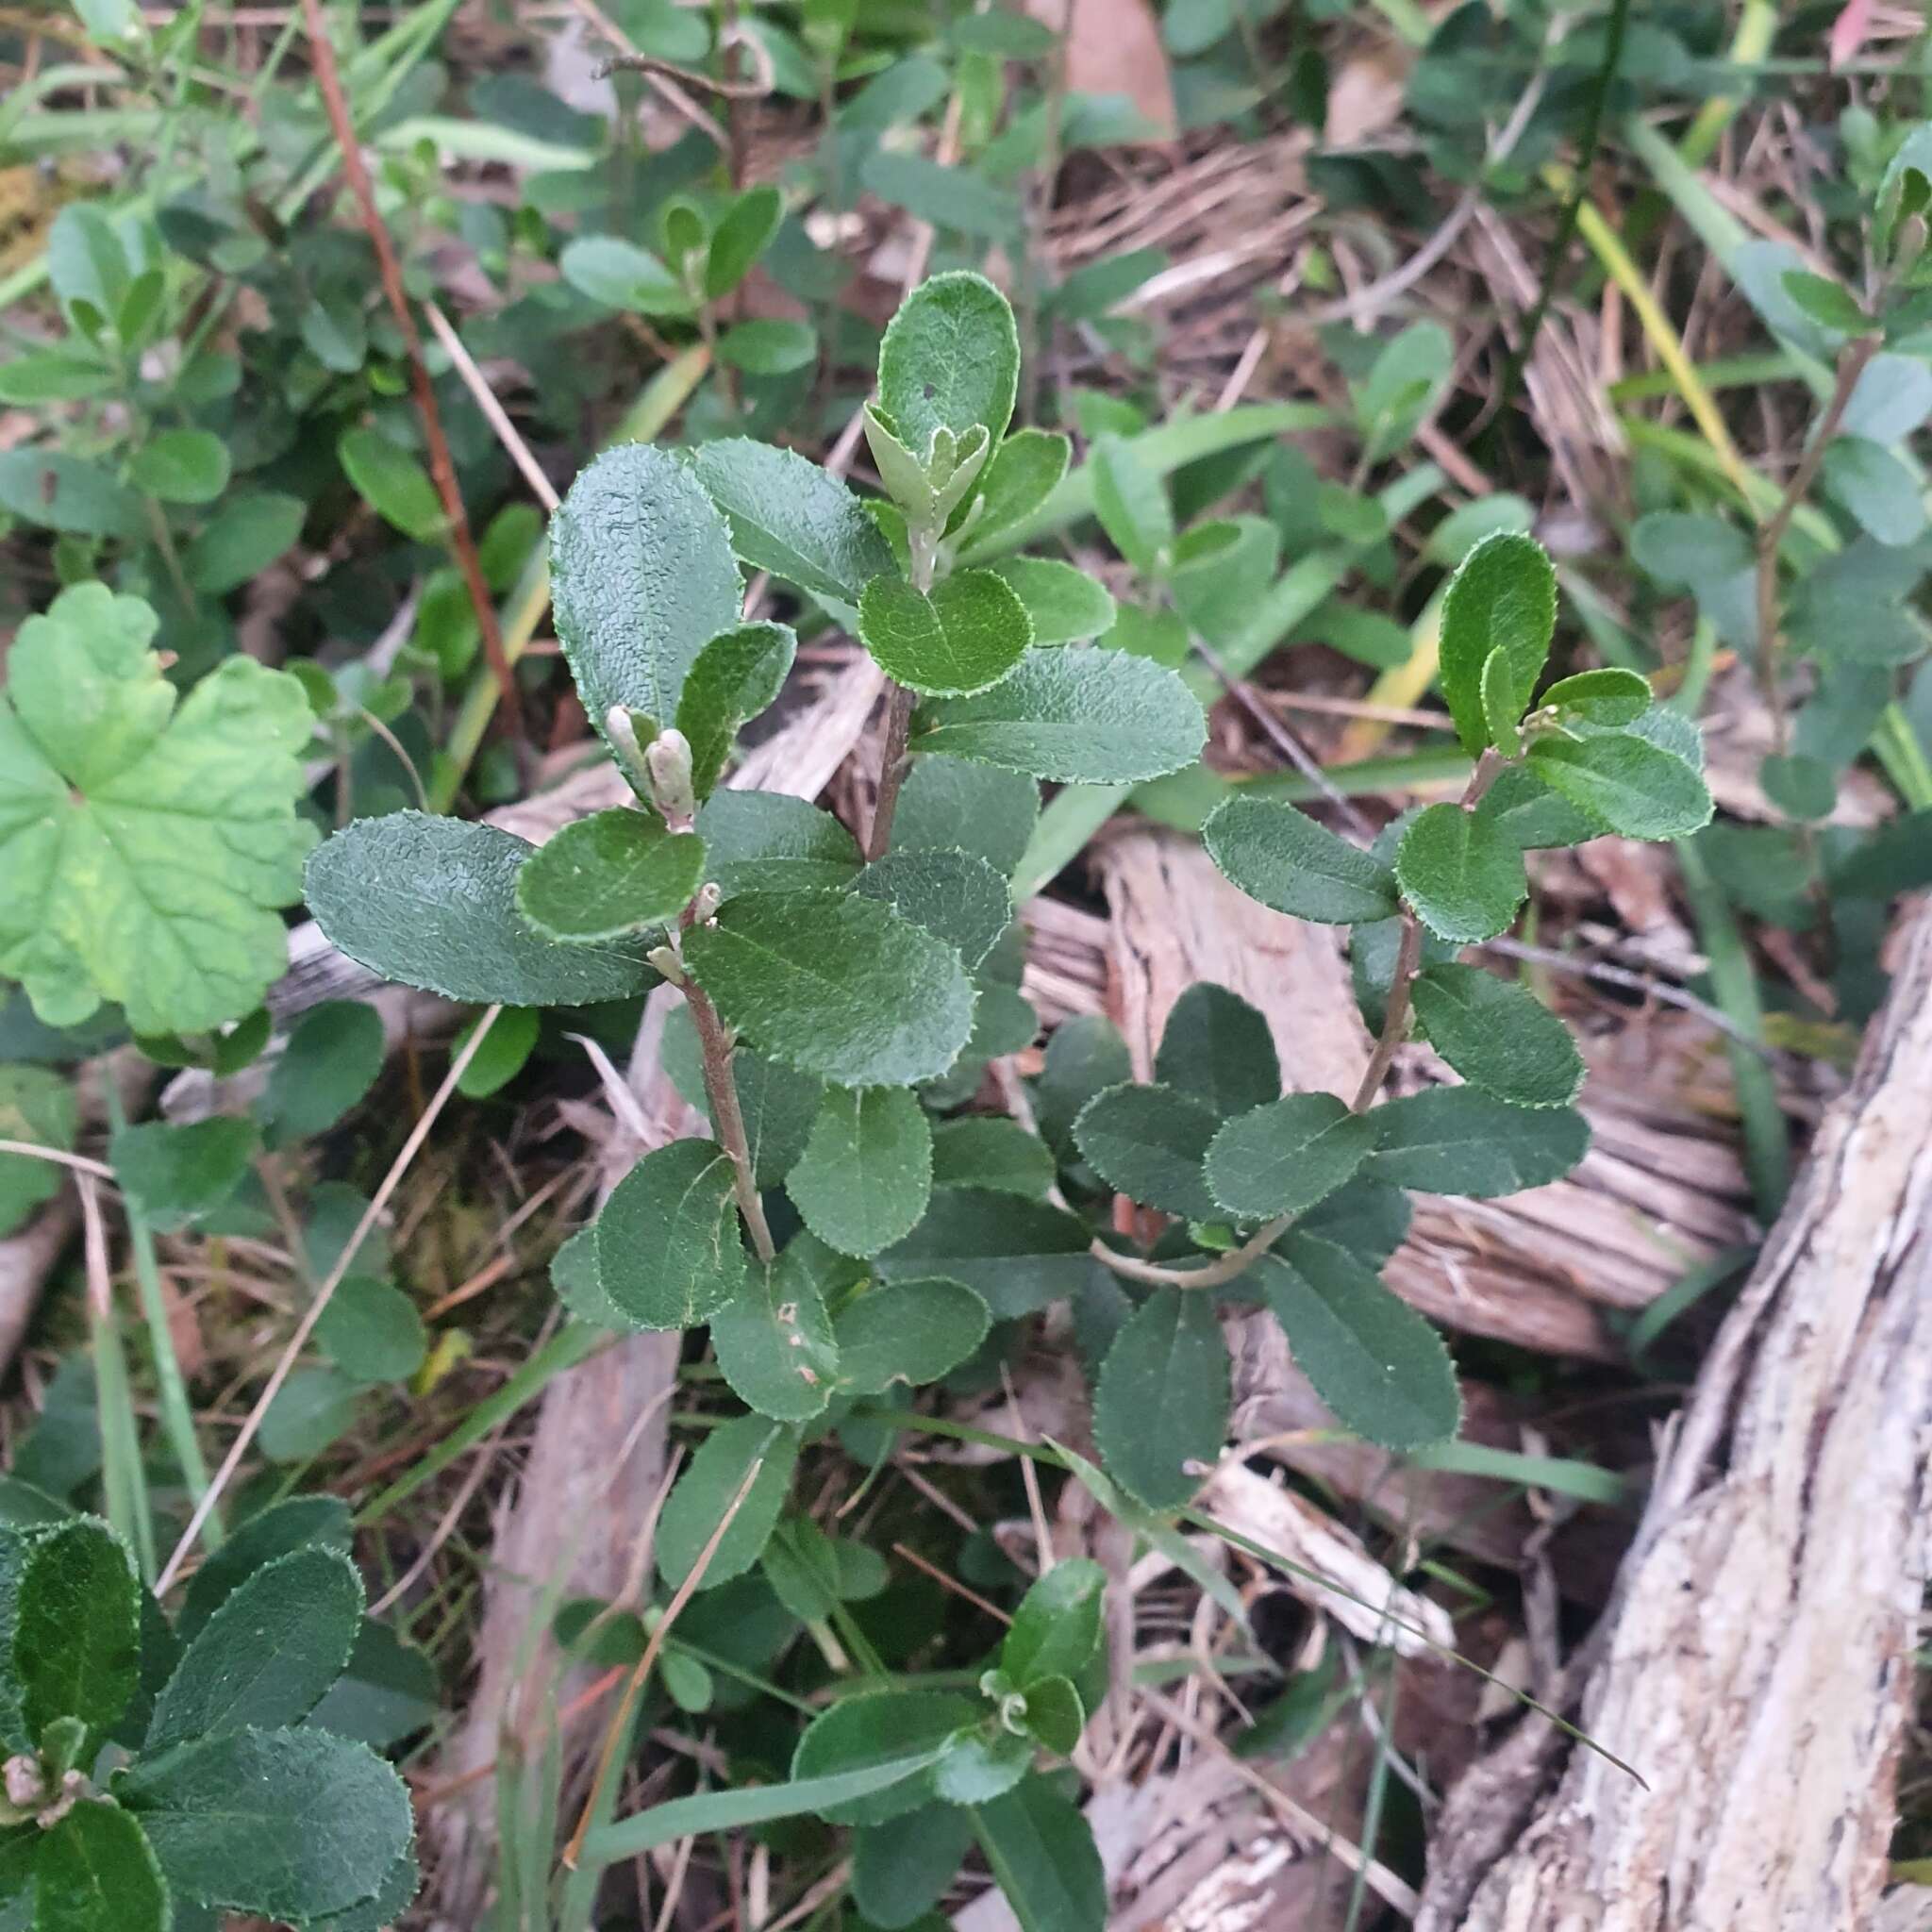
point(1756, 1662)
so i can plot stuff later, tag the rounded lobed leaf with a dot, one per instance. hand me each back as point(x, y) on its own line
point(607, 877)
point(835, 985)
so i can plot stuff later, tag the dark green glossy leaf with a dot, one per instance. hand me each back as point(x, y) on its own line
point(1218, 1049)
point(950, 358)
point(77, 1627)
point(912, 1331)
point(705, 1490)
point(1016, 1255)
point(735, 676)
point(949, 805)
point(1057, 1628)
point(96, 1870)
point(963, 638)
point(775, 1345)
point(875, 1729)
point(901, 1868)
point(768, 841)
point(955, 897)
point(983, 1150)
point(1503, 596)
point(1634, 786)
point(1042, 1851)
point(790, 517)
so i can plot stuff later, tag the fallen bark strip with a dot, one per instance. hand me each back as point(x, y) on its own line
point(1756, 1664)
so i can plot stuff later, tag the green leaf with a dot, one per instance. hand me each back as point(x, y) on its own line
point(1502, 597)
point(620, 275)
point(1408, 373)
point(1085, 1055)
point(662, 1825)
point(610, 876)
point(1131, 503)
point(949, 197)
point(982, 1761)
point(1533, 817)
point(768, 345)
point(789, 516)
point(1077, 716)
point(370, 1331)
point(54, 375)
point(1634, 786)
point(947, 804)
point(39, 1106)
point(901, 1868)
point(392, 482)
point(53, 491)
point(957, 898)
point(912, 1331)
point(1063, 602)
point(85, 261)
point(1282, 858)
point(1460, 873)
point(704, 1493)
point(1055, 1716)
point(767, 841)
point(268, 1654)
point(1016, 1255)
point(181, 466)
point(1218, 593)
point(1875, 487)
point(835, 985)
point(432, 902)
point(94, 1869)
point(1148, 1143)
point(642, 578)
point(1057, 1628)
point(1826, 302)
point(1218, 1049)
point(334, 1054)
point(1161, 1403)
point(77, 1627)
point(735, 675)
point(964, 638)
point(241, 540)
point(982, 1151)
point(221, 1814)
point(1019, 477)
point(775, 1345)
point(179, 1173)
point(1461, 1141)
point(1380, 1368)
point(866, 1172)
point(669, 1251)
point(1284, 1156)
point(314, 1408)
point(1041, 1852)
point(1609, 697)
point(876, 1729)
point(579, 1285)
point(778, 1104)
point(143, 848)
point(506, 1049)
point(950, 358)
point(294, 1524)
point(1501, 712)
point(1498, 1036)
point(745, 231)
point(1801, 786)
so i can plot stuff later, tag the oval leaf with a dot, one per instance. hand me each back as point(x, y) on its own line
point(963, 638)
point(1283, 1158)
point(1282, 858)
point(1498, 1036)
point(610, 876)
point(1161, 1403)
point(668, 1250)
point(1462, 873)
point(866, 1172)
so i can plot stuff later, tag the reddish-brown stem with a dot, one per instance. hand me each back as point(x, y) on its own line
point(727, 1117)
point(441, 468)
point(878, 837)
